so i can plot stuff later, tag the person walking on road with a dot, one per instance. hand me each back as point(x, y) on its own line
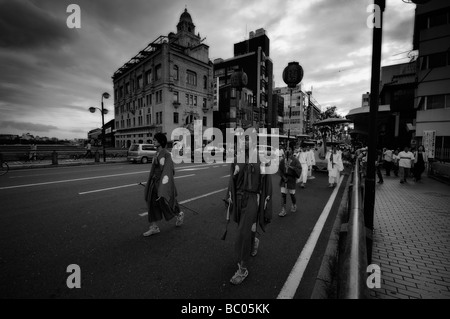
point(312, 161)
point(88, 150)
point(405, 160)
point(395, 160)
point(420, 160)
point(304, 160)
point(388, 160)
point(378, 164)
point(33, 154)
point(289, 170)
point(249, 203)
point(160, 191)
point(335, 166)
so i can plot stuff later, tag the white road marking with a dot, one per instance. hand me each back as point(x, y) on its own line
point(293, 281)
point(70, 180)
point(123, 186)
point(192, 169)
point(192, 199)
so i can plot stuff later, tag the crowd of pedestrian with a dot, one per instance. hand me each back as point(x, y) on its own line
point(405, 163)
point(248, 197)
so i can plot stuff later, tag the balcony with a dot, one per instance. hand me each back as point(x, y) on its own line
point(176, 104)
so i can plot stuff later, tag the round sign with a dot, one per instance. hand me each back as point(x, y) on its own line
point(293, 74)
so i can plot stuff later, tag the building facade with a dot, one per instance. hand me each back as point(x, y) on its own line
point(432, 39)
point(252, 57)
point(165, 86)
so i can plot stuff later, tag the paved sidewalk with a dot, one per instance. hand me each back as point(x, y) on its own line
point(411, 241)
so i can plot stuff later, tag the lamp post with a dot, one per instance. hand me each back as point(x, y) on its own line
point(292, 75)
point(103, 111)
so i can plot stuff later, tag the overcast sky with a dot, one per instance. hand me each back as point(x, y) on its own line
point(50, 74)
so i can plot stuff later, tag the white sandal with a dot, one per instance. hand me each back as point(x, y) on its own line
point(239, 276)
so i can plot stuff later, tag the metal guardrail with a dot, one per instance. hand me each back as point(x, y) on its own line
point(352, 272)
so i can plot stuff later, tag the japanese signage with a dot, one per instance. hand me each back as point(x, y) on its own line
point(429, 142)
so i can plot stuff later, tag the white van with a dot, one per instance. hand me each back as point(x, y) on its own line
point(141, 153)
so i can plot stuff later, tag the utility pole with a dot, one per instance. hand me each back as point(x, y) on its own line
point(369, 192)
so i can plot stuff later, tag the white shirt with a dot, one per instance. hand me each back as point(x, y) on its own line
point(405, 159)
point(303, 158)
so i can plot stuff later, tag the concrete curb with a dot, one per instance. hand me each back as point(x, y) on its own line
point(325, 286)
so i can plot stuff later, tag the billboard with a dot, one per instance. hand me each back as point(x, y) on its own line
point(429, 142)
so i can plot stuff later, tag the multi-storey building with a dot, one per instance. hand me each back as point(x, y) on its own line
point(252, 57)
point(296, 121)
point(277, 111)
point(165, 86)
point(432, 39)
point(304, 110)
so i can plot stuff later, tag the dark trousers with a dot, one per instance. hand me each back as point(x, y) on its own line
point(380, 176)
point(388, 167)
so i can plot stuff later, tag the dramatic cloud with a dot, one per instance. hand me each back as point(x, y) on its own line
point(51, 75)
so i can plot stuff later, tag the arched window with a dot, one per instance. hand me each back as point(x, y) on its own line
point(191, 78)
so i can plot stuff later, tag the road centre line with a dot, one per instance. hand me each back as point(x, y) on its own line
point(193, 198)
point(123, 186)
point(192, 169)
point(294, 278)
point(70, 180)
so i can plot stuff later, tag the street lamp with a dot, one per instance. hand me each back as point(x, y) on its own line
point(292, 75)
point(103, 111)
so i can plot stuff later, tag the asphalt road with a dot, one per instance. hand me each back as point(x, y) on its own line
point(94, 216)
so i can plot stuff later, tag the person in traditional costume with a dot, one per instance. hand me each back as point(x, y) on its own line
point(249, 204)
point(289, 171)
point(160, 191)
point(335, 166)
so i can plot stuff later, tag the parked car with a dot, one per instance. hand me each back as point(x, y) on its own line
point(141, 153)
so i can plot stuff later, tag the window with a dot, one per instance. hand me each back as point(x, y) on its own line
point(195, 100)
point(127, 88)
point(205, 82)
point(205, 121)
point(435, 102)
point(159, 96)
point(439, 18)
point(175, 117)
point(158, 72)
point(175, 72)
point(140, 82)
point(437, 60)
point(148, 99)
point(191, 78)
point(175, 97)
point(187, 99)
point(148, 77)
point(204, 103)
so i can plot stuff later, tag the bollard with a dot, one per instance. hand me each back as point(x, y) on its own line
point(54, 158)
point(97, 156)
